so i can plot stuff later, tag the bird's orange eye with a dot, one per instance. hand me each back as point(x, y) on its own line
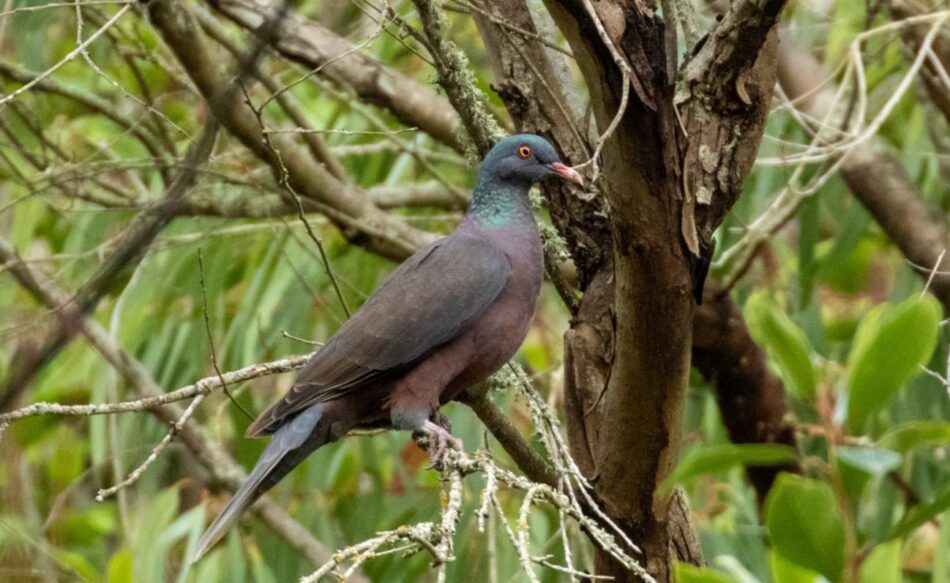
point(524, 152)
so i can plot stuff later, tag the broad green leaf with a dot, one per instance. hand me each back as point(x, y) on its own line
point(717, 458)
point(785, 571)
point(120, 567)
point(883, 564)
point(805, 526)
point(784, 342)
point(871, 460)
point(907, 436)
point(857, 465)
point(686, 573)
point(890, 345)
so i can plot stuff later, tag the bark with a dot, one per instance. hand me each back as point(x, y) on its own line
point(875, 177)
point(627, 354)
point(913, 36)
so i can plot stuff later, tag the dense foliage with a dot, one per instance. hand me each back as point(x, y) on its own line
point(843, 317)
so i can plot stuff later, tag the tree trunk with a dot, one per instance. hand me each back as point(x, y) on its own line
point(672, 168)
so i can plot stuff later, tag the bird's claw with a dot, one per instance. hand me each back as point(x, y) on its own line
point(440, 442)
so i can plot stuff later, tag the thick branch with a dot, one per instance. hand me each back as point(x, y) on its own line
point(348, 207)
point(935, 71)
point(532, 464)
point(751, 398)
point(337, 59)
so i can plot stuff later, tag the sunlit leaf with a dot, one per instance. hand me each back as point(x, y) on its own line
point(784, 342)
point(858, 465)
point(890, 345)
point(872, 460)
point(785, 571)
point(120, 567)
point(883, 564)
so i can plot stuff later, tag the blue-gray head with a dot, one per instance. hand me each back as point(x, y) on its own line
point(506, 175)
point(522, 160)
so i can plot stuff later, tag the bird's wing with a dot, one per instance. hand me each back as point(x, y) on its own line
point(425, 302)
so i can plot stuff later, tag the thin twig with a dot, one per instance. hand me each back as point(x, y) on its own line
point(214, 356)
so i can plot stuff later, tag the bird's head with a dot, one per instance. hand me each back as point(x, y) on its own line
point(526, 159)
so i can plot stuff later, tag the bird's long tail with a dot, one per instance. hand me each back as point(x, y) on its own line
point(290, 445)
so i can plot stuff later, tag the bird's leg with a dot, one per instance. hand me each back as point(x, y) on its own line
point(440, 441)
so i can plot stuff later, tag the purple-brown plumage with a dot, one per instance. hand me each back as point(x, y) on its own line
point(444, 320)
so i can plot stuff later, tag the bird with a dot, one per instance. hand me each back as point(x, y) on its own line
point(445, 319)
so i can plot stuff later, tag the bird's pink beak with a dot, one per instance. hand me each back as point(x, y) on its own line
point(567, 173)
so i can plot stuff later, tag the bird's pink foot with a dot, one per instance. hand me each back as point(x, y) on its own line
point(440, 441)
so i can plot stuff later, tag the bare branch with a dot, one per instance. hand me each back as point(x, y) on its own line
point(315, 47)
point(876, 178)
point(348, 207)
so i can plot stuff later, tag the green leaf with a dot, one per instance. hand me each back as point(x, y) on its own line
point(686, 573)
point(786, 345)
point(785, 571)
point(883, 565)
point(857, 465)
point(804, 523)
point(890, 345)
point(907, 436)
point(921, 513)
point(735, 569)
point(846, 267)
point(718, 458)
point(120, 567)
point(871, 460)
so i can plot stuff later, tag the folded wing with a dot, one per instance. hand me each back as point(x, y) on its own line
point(427, 301)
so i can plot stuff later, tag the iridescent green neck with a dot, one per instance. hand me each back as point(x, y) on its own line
point(499, 204)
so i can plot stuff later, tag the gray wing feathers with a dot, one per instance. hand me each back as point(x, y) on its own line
point(425, 302)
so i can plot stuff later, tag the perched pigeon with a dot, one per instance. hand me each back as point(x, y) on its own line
point(445, 319)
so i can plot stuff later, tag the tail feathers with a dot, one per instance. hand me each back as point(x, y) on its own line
point(289, 445)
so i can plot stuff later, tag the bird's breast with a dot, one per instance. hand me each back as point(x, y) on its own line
point(496, 336)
